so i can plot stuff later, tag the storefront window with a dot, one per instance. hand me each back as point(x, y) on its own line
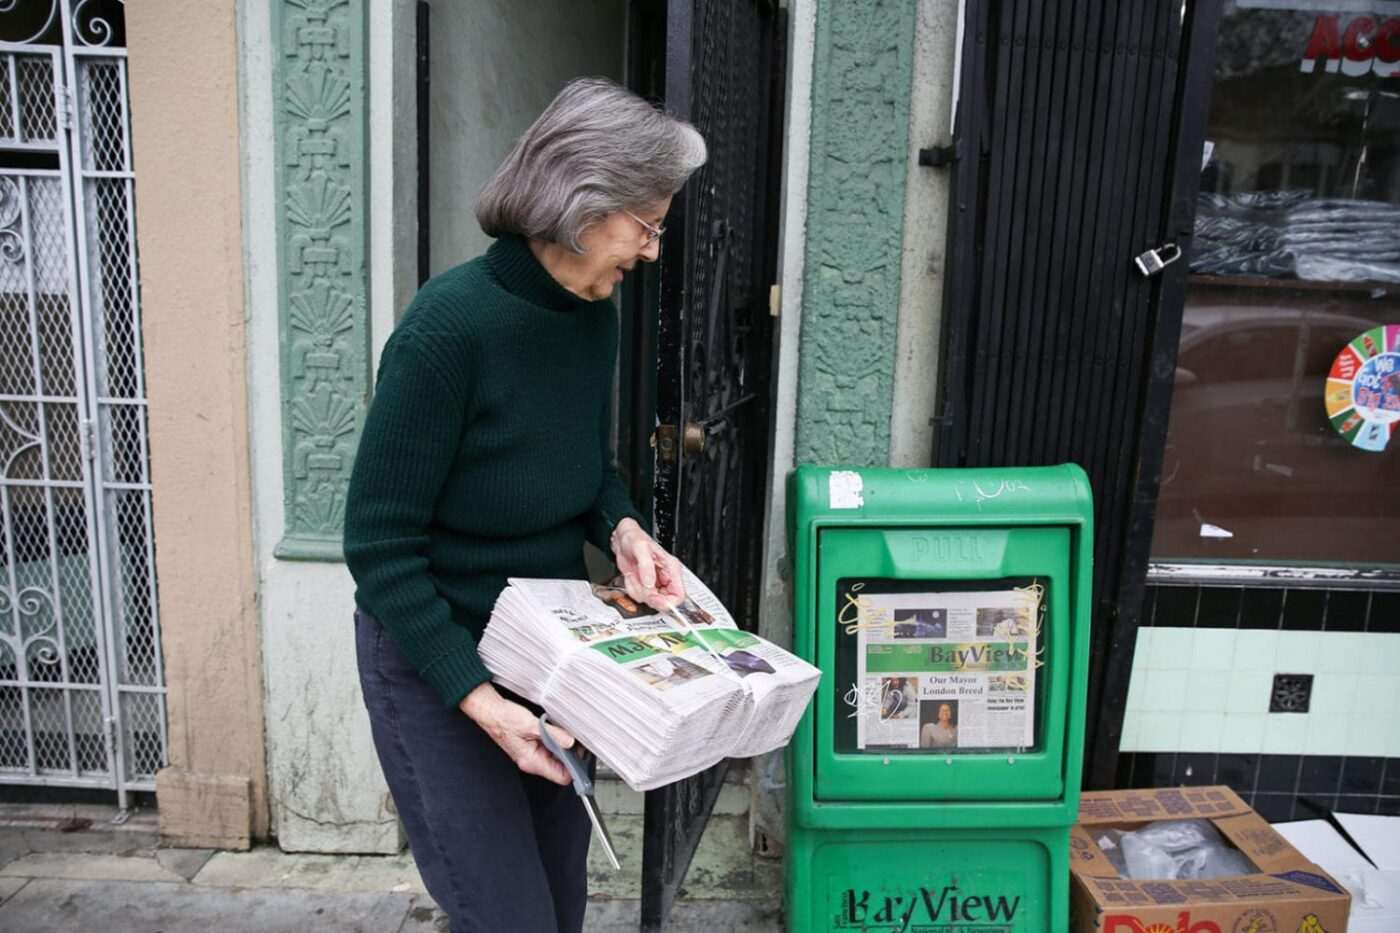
point(1283, 444)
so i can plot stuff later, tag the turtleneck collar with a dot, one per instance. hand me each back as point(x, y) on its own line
point(522, 275)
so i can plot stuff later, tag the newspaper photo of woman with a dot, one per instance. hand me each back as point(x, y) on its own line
point(939, 727)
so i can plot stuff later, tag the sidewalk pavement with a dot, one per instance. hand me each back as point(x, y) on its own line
point(69, 869)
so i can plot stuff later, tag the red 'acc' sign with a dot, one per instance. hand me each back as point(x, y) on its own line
point(1127, 923)
point(1364, 44)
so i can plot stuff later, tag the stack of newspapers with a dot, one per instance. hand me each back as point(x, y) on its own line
point(657, 696)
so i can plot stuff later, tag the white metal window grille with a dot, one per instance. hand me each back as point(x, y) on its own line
point(82, 695)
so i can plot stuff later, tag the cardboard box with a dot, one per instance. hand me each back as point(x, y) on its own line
point(1289, 894)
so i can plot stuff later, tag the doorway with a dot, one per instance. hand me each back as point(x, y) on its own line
point(695, 390)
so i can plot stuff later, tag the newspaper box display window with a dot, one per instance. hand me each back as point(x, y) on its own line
point(938, 668)
point(943, 646)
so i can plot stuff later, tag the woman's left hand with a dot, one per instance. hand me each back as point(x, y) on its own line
point(650, 573)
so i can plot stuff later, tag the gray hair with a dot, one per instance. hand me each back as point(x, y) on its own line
point(597, 148)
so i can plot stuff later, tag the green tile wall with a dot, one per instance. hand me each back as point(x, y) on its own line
point(1208, 690)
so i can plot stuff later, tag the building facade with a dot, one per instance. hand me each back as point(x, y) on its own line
point(914, 246)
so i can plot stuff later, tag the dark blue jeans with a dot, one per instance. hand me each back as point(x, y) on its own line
point(499, 850)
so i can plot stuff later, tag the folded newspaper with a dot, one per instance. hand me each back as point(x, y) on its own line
point(656, 696)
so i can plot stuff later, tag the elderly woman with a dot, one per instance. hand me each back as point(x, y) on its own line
point(485, 455)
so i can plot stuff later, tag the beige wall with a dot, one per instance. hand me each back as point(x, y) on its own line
point(184, 101)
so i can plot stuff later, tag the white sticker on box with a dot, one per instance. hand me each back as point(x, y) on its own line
point(845, 487)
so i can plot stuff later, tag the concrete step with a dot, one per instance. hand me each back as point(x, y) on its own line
point(78, 856)
point(73, 906)
point(55, 829)
point(269, 891)
point(724, 867)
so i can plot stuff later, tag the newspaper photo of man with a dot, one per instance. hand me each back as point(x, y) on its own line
point(896, 696)
point(939, 724)
point(1002, 624)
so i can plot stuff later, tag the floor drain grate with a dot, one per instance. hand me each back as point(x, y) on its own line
point(1292, 693)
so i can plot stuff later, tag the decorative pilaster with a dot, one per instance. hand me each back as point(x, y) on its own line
point(323, 254)
point(855, 217)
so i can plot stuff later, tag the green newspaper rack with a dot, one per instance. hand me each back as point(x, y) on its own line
point(934, 780)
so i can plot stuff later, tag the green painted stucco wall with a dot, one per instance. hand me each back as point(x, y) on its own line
point(862, 68)
point(320, 107)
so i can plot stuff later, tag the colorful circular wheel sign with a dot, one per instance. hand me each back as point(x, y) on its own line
point(1363, 388)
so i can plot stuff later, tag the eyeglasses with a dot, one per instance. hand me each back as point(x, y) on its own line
point(653, 232)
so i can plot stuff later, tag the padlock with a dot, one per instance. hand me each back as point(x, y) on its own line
point(1155, 260)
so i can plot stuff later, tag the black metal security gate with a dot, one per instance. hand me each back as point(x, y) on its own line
point(703, 317)
point(1077, 149)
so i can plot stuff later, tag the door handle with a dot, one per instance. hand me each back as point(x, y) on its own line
point(691, 439)
point(666, 441)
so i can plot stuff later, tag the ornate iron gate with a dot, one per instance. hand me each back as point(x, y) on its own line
point(82, 696)
point(723, 71)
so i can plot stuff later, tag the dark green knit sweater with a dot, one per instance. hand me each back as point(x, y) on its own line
point(485, 455)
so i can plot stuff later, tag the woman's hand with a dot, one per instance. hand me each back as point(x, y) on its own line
point(517, 731)
point(651, 575)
